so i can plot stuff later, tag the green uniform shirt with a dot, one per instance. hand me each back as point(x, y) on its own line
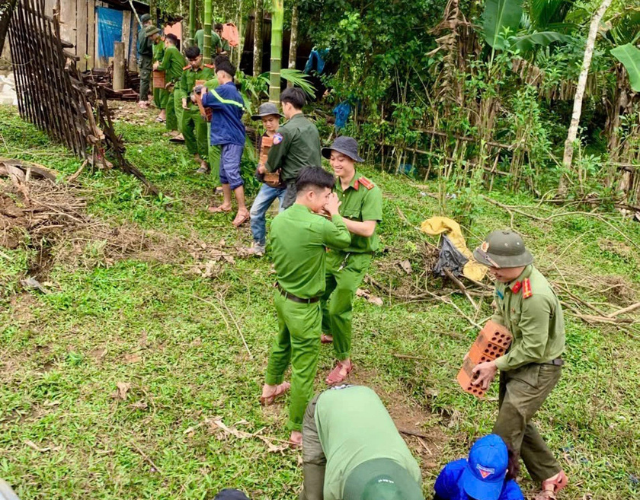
point(172, 64)
point(360, 204)
point(144, 44)
point(357, 432)
point(295, 145)
point(158, 51)
point(536, 323)
point(298, 240)
point(216, 42)
point(188, 82)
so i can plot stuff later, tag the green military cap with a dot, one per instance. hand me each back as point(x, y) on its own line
point(503, 249)
point(151, 30)
point(144, 18)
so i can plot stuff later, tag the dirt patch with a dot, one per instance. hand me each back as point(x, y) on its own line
point(618, 290)
point(408, 272)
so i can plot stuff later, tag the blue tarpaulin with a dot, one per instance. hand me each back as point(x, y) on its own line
point(109, 30)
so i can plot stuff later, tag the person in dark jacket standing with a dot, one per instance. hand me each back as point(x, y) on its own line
point(228, 132)
point(145, 60)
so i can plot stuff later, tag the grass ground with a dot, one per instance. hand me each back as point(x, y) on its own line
point(163, 331)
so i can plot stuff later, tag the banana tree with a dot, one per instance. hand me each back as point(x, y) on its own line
point(629, 56)
point(277, 18)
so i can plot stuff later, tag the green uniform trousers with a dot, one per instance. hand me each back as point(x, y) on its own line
point(177, 106)
point(194, 130)
point(146, 66)
point(160, 97)
point(172, 119)
point(522, 392)
point(298, 343)
point(337, 301)
point(214, 158)
point(314, 460)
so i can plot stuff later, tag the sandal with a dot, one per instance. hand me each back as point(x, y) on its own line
point(336, 377)
point(241, 219)
point(326, 339)
point(160, 120)
point(280, 390)
point(219, 210)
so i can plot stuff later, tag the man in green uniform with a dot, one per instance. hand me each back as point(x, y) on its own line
point(362, 210)
point(160, 95)
point(299, 238)
point(529, 308)
point(219, 46)
point(145, 56)
point(295, 145)
point(172, 63)
point(194, 126)
point(352, 450)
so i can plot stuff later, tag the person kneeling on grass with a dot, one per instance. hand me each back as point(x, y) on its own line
point(488, 474)
point(353, 451)
point(228, 132)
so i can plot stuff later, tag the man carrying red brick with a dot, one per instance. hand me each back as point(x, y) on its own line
point(529, 308)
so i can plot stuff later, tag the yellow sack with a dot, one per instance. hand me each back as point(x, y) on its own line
point(443, 225)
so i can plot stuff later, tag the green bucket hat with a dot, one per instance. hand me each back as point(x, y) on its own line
point(151, 30)
point(503, 249)
point(381, 479)
point(266, 109)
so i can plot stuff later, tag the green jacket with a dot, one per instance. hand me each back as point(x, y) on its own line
point(216, 42)
point(361, 201)
point(172, 64)
point(298, 241)
point(145, 49)
point(188, 81)
point(536, 322)
point(355, 427)
point(295, 145)
point(158, 51)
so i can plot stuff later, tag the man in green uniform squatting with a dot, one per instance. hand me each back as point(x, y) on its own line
point(145, 56)
point(299, 237)
point(194, 126)
point(172, 63)
point(219, 46)
point(295, 145)
point(529, 308)
point(352, 450)
point(361, 208)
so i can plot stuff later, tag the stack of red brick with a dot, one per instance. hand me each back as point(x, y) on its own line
point(492, 342)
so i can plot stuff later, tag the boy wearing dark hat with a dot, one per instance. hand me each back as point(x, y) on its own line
point(145, 60)
point(228, 132)
point(351, 450)
point(194, 126)
point(270, 116)
point(361, 207)
point(529, 308)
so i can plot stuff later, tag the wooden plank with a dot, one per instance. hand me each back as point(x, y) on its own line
point(133, 60)
point(97, 61)
point(48, 7)
point(126, 31)
point(81, 47)
point(68, 21)
point(92, 27)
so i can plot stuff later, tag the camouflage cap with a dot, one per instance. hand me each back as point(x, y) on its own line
point(503, 249)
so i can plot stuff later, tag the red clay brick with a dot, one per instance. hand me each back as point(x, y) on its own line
point(465, 377)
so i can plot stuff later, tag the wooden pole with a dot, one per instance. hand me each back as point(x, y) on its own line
point(119, 62)
point(293, 45)
point(258, 38)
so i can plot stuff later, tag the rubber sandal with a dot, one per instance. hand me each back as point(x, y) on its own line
point(178, 140)
point(335, 377)
point(241, 219)
point(326, 339)
point(218, 210)
point(281, 389)
point(160, 120)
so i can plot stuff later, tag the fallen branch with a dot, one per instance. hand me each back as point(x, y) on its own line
point(624, 311)
point(146, 457)
point(462, 288)
point(407, 356)
point(224, 303)
point(413, 433)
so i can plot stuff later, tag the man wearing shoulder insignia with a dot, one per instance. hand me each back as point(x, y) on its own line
point(361, 208)
point(528, 307)
point(296, 145)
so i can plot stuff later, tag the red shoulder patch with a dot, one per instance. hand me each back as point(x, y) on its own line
point(188, 66)
point(210, 66)
point(366, 182)
point(526, 289)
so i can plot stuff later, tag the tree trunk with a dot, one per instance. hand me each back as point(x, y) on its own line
point(293, 45)
point(277, 18)
point(208, 17)
point(192, 23)
point(582, 83)
point(240, 47)
point(6, 12)
point(118, 65)
point(258, 39)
